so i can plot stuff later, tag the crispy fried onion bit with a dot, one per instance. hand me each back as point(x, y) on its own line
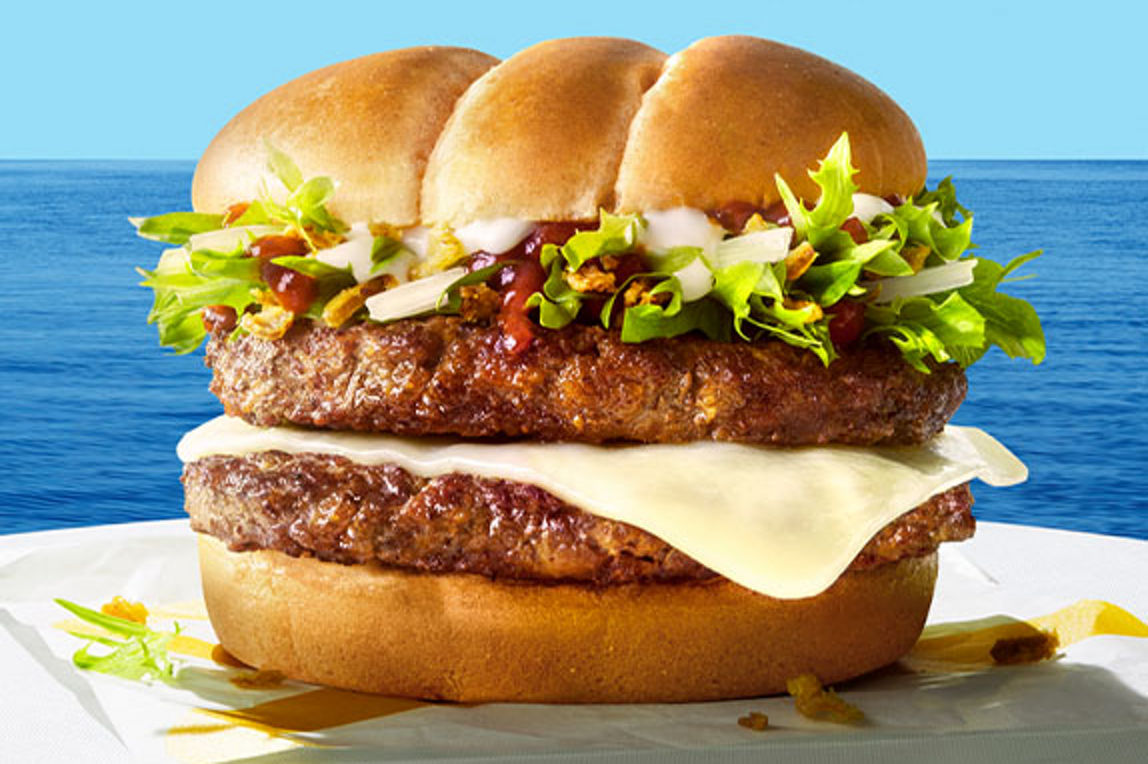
point(815, 702)
point(755, 720)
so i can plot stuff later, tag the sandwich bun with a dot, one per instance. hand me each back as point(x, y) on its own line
point(463, 637)
point(563, 129)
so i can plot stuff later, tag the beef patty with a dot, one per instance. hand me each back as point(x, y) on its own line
point(443, 376)
point(337, 510)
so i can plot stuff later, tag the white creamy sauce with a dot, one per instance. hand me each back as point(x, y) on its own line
point(494, 236)
point(784, 522)
point(684, 227)
point(680, 227)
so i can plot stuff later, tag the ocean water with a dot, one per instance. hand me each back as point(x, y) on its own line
point(93, 407)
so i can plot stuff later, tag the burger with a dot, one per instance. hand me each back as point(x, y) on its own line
point(590, 375)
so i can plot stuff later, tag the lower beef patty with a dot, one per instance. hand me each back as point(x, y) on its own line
point(337, 510)
point(443, 376)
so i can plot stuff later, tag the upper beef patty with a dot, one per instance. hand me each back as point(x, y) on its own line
point(336, 510)
point(441, 375)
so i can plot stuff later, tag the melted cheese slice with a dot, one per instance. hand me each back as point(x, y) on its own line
point(783, 522)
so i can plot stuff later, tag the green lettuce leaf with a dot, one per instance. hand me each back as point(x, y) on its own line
point(383, 250)
point(282, 166)
point(558, 303)
point(734, 285)
point(945, 196)
point(647, 322)
point(615, 234)
point(917, 223)
point(185, 283)
point(828, 283)
point(1010, 322)
point(309, 266)
point(176, 227)
point(922, 327)
point(673, 260)
point(789, 327)
point(821, 226)
point(137, 651)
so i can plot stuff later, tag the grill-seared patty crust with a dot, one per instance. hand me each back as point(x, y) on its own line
point(340, 511)
point(443, 376)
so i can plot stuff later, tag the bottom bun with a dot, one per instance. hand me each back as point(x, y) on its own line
point(463, 637)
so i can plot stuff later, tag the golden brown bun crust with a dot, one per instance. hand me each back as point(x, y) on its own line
point(465, 638)
point(563, 128)
point(541, 135)
point(729, 112)
point(369, 123)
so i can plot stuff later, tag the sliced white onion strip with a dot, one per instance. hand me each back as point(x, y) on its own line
point(355, 252)
point(770, 246)
point(867, 206)
point(696, 280)
point(939, 278)
point(413, 298)
point(227, 239)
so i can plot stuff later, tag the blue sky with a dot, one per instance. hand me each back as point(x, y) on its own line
point(981, 79)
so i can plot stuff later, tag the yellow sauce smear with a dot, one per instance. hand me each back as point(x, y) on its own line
point(315, 710)
point(968, 645)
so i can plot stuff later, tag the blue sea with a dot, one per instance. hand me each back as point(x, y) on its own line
point(93, 407)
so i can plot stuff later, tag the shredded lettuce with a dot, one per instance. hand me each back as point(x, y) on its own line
point(135, 651)
point(188, 279)
point(821, 226)
point(1009, 322)
point(649, 321)
point(176, 227)
point(760, 287)
point(558, 303)
point(615, 234)
point(185, 282)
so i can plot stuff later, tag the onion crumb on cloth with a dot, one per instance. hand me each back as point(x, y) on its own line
point(815, 702)
point(754, 720)
point(1033, 648)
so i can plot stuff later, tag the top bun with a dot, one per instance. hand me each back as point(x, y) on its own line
point(563, 128)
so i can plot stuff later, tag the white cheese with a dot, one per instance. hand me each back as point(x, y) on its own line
point(784, 522)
